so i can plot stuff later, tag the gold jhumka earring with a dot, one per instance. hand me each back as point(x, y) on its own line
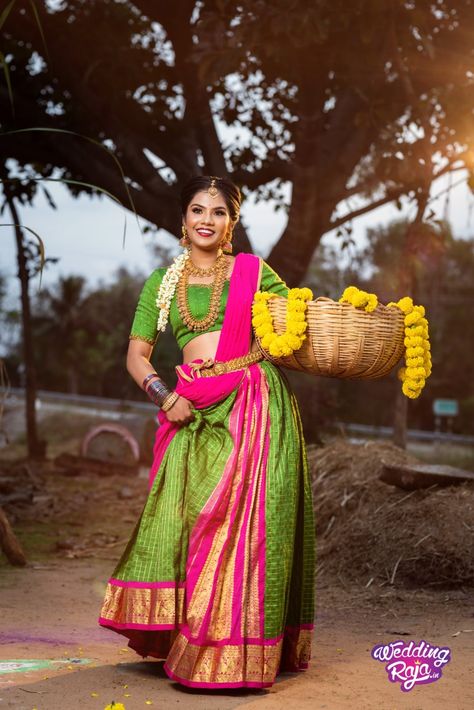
point(227, 244)
point(184, 241)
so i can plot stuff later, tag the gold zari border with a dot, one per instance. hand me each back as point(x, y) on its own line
point(132, 605)
point(150, 341)
point(232, 663)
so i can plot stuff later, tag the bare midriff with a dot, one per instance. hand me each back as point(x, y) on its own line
point(205, 346)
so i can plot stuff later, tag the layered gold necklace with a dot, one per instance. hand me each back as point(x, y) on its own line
point(219, 270)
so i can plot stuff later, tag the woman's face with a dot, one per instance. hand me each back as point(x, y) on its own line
point(207, 221)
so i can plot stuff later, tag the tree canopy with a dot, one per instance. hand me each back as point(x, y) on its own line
point(353, 105)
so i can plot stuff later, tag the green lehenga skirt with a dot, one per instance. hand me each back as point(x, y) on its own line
point(218, 576)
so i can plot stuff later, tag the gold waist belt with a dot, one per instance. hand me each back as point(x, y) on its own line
point(209, 368)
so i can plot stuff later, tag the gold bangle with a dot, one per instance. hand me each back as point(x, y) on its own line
point(169, 400)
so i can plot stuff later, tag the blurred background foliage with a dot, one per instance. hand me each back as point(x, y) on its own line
point(81, 334)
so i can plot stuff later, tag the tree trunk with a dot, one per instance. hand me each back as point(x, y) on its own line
point(400, 418)
point(407, 285)
point(36, 448)
point(9, 543)
point(326, 155)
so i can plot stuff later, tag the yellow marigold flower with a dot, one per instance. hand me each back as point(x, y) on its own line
point(414, 352)
point(280, 345)
point(115, 706)
point(348, 292)
point(297, 306)
point(412, 394)
point(306, 294)
point(415, 373)
point(264, 329)
point(415, 330)
point(417, 347)
point(297, 316)
point(278, 349)
point(262, 295)
point(372, 303)
point(293, 341)
point(412, 341)
point(296, 328)
point(414, 385)
point(412, 317)
point(358, 299)
point(405, 304)
point(414, 361)
point(259, 319)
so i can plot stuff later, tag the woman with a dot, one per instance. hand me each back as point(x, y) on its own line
point(218, 576)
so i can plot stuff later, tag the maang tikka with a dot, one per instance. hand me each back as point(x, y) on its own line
point(212, 189)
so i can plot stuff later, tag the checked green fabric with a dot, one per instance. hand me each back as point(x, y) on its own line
point(158, 547)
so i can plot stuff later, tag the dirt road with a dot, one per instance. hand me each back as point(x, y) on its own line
point(74, 531)
point(49, 611)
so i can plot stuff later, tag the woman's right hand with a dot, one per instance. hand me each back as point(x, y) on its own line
point(181, 412)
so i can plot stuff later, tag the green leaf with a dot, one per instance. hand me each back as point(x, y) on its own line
point(38, 22)
point(5, 12)
point(94, 142)
point(40, 244)
point(6, 73)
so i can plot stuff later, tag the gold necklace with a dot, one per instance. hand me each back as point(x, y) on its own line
point(194, 270)
point(202, 324)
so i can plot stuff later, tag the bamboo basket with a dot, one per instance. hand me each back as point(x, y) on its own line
point(341, 340)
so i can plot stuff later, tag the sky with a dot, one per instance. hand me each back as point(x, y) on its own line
point(87, 233)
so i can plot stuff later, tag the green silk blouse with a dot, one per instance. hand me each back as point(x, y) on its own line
point(199, 296)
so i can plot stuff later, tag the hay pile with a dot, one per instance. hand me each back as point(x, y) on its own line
point(368, 531)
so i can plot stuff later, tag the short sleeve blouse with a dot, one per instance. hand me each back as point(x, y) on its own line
point(146, 314)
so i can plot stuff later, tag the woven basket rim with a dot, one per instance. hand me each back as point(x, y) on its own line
point(327, 299)
point(342, 340)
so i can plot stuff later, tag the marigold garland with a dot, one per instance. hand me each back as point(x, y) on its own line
point(359, 299)
point(417, 348)
point(285, 343)
point(417, 343)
